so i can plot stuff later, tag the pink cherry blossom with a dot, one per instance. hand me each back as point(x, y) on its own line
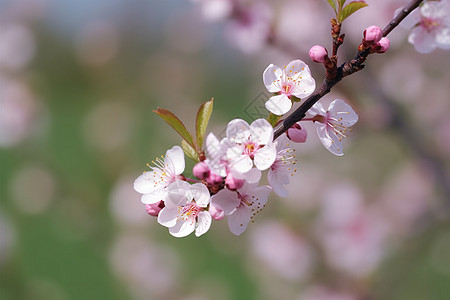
point(185, 209)
point(430, 26)
point(152, 184)
point(282, 168)
point(293, 80)
point(241, 206)
point(248, 144)
point(332, 124)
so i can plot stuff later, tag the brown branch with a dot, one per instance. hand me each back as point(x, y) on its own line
point(344, 70)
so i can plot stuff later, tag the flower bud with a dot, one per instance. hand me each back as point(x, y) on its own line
point(155, 208)
point(233, 183)
point(373, 34)
point(297, 134)
point(215, 212)
point(318, 53)
point(201, 170)
point(383, 45)
point(214, 179)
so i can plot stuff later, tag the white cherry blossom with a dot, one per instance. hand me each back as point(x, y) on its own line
point(248, 144)
point(332, 124)
point(185, 209)
point(292, 80)
point(153, 184)
point(241, 206)
point(430, 25)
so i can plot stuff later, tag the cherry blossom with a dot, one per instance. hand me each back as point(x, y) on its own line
point(282, 168)
point(292, 80)
point(185, 209)
point(152, 184)
point(241, 206)
point(248, 144)
point(430, 26)
point(332, 124)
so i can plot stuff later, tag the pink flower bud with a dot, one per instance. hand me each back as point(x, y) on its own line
point(297, 134)
point(215, 212)
point(383, 45)
point(233, 183)
point(155, 208)
point(318, 53)
point(214, 179)
point(201, 170)
point(373, 34)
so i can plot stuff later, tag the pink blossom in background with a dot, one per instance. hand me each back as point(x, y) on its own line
point(324, 293)
point(352, 234)
point(18, 112)
point(249, 28)
point(430, 26)
point(282, 250)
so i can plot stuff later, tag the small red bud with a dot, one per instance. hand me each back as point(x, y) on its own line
point(201, 170)
point(233, 183)
point(383, 45)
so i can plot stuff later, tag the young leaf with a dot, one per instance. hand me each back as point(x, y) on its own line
point(203, 115)
point(175, 123)
point(189, 151)
point(273, 119)
point(341, 3)
point(333, 5)
point(351, 8)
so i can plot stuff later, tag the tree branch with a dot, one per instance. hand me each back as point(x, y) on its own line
point(344, 70)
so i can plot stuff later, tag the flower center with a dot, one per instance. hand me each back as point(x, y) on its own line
point(189, 211)
point(250, 149)
point(286, 89)
point(285, 161)
point(429, 24)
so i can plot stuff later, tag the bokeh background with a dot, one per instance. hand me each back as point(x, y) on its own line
point(78, 83)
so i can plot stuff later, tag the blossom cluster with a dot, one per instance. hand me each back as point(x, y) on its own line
point(227, 177)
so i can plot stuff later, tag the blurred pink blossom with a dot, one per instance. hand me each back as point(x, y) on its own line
point(282, 250)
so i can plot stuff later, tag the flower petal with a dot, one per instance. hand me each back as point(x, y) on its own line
point(343, 112)
point(279, 104)
point(270, 76)
point(182, 228)
point(265, 156)
point(317, 109)
point(201, 194)
point(304, 87)
point(238, 221)
point(423, 41)
point(253, 176)
point(241, 163)
point(276, 182)
point(154, 196)
point(203, 223)
point(261, 131)
point(226, 200)
point(329, 140)
point(168, 216)
point(237, 131)
point(146, 183)
point(175, 156)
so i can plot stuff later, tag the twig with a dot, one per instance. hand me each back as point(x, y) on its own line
point(344, 70)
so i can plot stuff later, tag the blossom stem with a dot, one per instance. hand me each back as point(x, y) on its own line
point(332, 78)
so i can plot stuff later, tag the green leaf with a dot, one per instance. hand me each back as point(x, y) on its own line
point(341, 3)
point(273, 119)
point(203, 115)
point(333, 5)
point(189, 151)
point(176, 124)
point(351, 8)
